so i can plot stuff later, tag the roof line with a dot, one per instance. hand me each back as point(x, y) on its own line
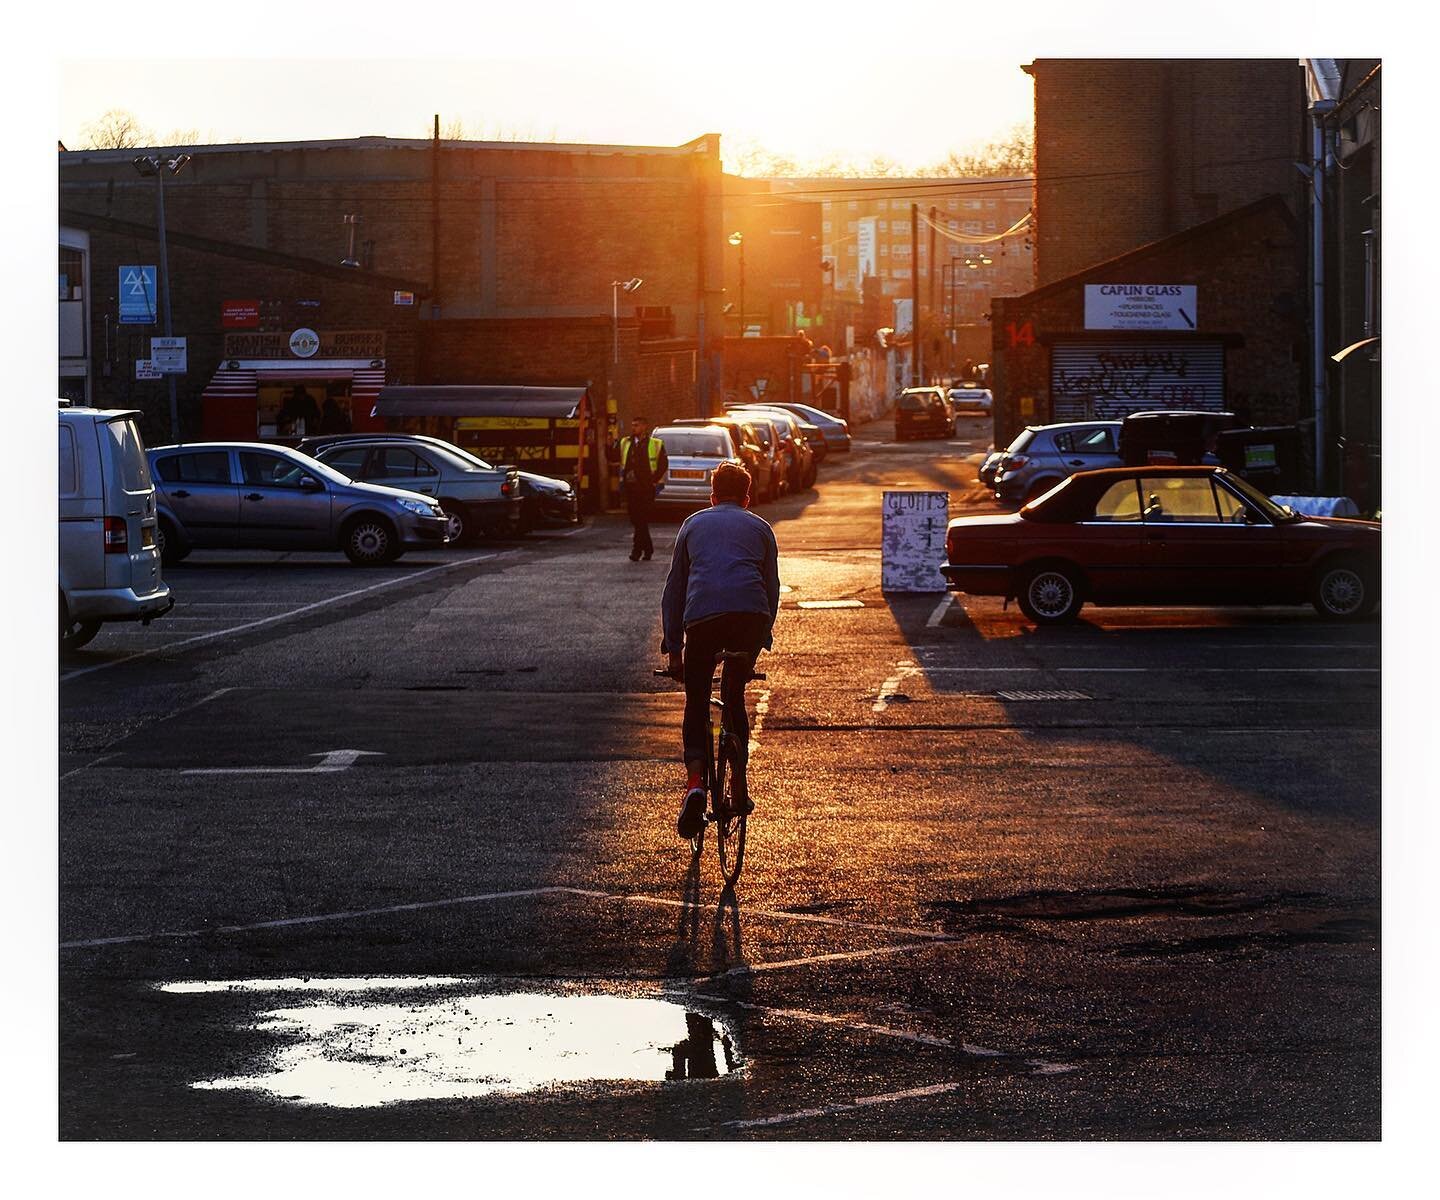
point(381, 142)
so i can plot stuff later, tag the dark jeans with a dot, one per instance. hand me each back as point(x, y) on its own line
point(639, 502)
point(731, 631)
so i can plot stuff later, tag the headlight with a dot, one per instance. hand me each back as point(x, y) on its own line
point(422, 508)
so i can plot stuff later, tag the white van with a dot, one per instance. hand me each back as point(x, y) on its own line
point(109, 563)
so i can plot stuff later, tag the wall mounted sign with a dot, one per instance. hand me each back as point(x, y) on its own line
point(137, 295)
point(405, 298)
point(167, 354)
point(912, 541)
point(145, 369)
point(240, 314)
point(1140, 306)
point(348, 343)
point(304, 343)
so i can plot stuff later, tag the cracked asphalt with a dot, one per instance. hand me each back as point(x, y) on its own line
point(1118, 882)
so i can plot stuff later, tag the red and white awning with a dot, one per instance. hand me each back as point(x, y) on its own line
point(243, 381)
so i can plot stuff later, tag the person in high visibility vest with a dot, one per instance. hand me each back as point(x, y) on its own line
point(642, 471)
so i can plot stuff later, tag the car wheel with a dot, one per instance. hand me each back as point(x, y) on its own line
point(168, 542)
point(1051, 595)
point(370, 542)
point(457, 524)
point(1344, 589)
point(74, 634)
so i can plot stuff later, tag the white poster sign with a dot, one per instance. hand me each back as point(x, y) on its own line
point(145, 369)
point(1140, 306)
point(912, 541)
point(904, 314)
point(865, 251)
point(167, 354)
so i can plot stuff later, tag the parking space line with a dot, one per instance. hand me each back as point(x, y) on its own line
point(840, 956)
point(888, 689)
point(830, 1110)
point(940, 610)
point(295, 612)
point(762, 710)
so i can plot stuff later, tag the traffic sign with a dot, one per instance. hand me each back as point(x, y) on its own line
point(145, 369)
point(137, 295)
point(168, 354)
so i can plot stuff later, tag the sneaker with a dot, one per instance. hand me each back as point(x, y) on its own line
point(692, 813)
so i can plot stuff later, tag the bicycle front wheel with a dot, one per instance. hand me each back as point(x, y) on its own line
point(729, 823)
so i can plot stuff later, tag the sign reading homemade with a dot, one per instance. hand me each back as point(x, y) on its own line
point(1139, 306)
point(349, 343)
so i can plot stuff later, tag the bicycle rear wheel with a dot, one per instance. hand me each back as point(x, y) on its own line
point(729, 824)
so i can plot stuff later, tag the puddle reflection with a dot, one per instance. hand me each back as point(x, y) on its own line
point(341, 1044)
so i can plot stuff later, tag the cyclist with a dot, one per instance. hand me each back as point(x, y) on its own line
point(722, 593)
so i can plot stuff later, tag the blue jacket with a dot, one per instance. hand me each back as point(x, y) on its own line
point(725, 561)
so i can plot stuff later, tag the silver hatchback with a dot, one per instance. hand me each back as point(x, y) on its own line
point(1043, 455)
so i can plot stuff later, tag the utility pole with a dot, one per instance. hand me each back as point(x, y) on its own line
point(930, 264)
point(914, 294)
point(160, 167)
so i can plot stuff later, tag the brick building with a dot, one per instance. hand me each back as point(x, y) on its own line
point(507, 253)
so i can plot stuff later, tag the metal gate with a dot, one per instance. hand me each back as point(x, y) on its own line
point(1092, 380)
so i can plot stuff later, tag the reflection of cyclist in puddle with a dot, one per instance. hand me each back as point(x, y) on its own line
point(694, 1058)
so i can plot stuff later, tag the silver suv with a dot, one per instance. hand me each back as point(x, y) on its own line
point(1043, 455)
point(253, 495)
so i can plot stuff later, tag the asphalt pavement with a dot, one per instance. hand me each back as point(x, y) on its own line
point(391, 854)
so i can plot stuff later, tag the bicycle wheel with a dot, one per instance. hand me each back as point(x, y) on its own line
point(729, 824)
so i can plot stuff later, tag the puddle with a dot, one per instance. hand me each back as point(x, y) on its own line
point(359, 1043)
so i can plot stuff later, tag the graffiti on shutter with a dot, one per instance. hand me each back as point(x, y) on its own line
point(1106, 380)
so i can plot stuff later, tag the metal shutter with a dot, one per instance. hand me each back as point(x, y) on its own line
point(1104, 380)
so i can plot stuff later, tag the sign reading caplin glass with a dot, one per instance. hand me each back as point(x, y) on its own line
point(1140, 306)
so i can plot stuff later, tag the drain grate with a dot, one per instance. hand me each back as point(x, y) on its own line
point(1061, 695)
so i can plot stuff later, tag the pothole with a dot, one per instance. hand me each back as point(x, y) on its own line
point(361, 1043)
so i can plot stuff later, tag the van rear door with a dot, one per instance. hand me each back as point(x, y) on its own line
point(131, 557)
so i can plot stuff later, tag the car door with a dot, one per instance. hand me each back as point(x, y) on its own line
point(1206, 546)
point(404, 467)
point(201, 491)
point(282, 505)
point(350, 461)
point(1110, 545)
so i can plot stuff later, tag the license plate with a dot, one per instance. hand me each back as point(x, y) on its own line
point(682, 473)
point(147, 538)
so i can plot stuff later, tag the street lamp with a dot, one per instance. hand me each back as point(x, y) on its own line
point(159, 166)
point(616, 287)
point(735, 239)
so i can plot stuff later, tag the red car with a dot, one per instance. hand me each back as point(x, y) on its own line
point(1163, 535)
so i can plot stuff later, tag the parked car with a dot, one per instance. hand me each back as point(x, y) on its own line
point(834, 431)
point(802, 469)
point(923, 412)
point(543, 500)
point(1163, 535)
point(971, 399)
point(693, 451)
point(476, 499)
point(777, 450)
point(764, 474)
point(109, 552)
point(1042, 455)
point(222, 495)
point(809, 431)
point(990, 468)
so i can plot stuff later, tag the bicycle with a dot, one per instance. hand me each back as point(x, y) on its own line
point(722, 758)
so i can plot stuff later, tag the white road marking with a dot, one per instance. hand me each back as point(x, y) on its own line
point(933, 670)
point(940, 610)
point(762, 708)
point(330, 760)
point(830, 604)
point(840, 956)
point(903, 671)
point(830, 1110)
point(94, 762)
point(294, 612)
point(800, 1014)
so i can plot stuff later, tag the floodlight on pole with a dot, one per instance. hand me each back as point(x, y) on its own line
point(616, 287)
point(159, 166)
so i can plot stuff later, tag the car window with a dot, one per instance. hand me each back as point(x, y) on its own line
point(348, 461)
point(207, 466)
point(1064, 442)
point(1233, 510)
point(1179, 498)
point(762, 431)
point(68, 482)
point(129, 455)
point(1094, 441)
point(698, 443)
point(400, 462)
point(910, 402)
point(1021, 442)
point(1119, 502)
point(270, 470)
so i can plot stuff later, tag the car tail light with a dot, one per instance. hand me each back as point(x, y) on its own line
point(117, 536)
point(505, 488)
point(1011, 461)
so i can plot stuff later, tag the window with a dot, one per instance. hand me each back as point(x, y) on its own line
point(1232, 509)
point(72, 274)
point(210, 466)
point(853, 206)
point(884, 249)
point(825, 226)
point(399, 462)
point(270, 470)
point(850, 250)
point(901, 272)
point(1119, 502)
point(952, 205)
point(990, 204)
point(68, 482)
point(349, 462)
point(974, 204)
point(1179, 498)
point(130, 455)
point(973, 226)
point(883, 226)
point(1085, 441)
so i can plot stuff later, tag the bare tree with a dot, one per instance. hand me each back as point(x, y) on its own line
point(118, 129)
point(1012, 154)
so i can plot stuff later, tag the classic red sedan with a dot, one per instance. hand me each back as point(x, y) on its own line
point(1163, 535)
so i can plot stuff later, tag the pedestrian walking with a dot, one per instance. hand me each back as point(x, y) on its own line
point(642, 468)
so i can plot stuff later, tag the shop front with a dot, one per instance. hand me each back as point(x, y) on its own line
point(285, 386)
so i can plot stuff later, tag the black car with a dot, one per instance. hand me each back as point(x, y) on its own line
point(923, 412)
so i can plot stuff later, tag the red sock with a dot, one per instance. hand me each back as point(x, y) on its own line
point(694, 781)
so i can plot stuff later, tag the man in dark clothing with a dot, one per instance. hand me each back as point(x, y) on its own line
point(643, 464)
point(722, 594)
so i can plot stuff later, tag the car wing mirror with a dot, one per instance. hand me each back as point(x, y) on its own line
point(308, 483)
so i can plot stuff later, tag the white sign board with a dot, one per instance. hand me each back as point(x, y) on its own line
point(913, 541)
point(168, 355)
point(865, 251)
point(145, 369)
point(1140, 306)
point(904, 314)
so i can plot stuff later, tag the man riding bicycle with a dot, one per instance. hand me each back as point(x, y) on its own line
point(722, 593)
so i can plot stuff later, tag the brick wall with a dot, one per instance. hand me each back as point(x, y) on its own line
point(775, 359)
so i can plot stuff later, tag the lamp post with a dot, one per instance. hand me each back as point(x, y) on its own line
point(616, 287)
point(159, 167)
point(735, 239)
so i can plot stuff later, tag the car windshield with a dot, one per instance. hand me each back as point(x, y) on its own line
point(1261, 501)
point(695, 443)
point(911, 402)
